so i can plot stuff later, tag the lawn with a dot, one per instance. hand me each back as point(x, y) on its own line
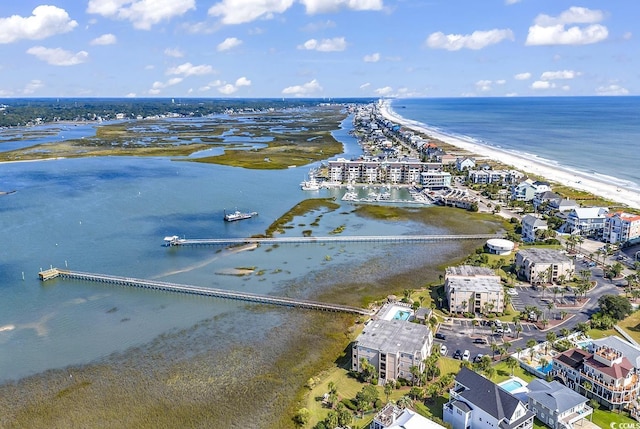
point(503, 372)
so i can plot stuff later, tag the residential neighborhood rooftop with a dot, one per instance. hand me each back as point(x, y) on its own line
point(544, 256)
point(393, 336)
point(555, 396)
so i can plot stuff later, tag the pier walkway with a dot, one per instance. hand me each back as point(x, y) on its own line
point(197, 290)
point(177, 241)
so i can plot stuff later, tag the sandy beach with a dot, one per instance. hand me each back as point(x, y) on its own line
point(524, 163)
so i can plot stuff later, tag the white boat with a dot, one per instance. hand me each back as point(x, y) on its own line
point(238, 215)
point(310, 185)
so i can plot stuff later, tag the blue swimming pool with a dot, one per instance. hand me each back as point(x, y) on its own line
point(511, 385)
point(545, 369)
point(402, 315)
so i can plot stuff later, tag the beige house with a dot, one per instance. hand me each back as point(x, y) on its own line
point(392, 347)
point(543, 265)
point(473, 290)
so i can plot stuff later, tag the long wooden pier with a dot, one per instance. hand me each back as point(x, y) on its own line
point(197, 290)
point(177, 241)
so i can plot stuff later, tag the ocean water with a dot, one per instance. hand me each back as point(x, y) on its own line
point(110, 215)
point(595, 135)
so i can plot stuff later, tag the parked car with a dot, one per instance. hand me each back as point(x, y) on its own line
point(466, 355)
point(457, 354)
point(440, 336)
point(480, 341)
point(443, 350)
point(512, 292)
point(478, 358)
point(503, 330)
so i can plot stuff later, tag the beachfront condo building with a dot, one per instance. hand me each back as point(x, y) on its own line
point(472, 289)
point(605, 375)
point(621, 227)
point(543, 265)
point(434, 179)
point(392, 347)
point(502, 177)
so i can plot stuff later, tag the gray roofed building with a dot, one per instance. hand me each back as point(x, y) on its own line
point(556, 405)
point(473, 290)
point(531, 224)
point(469, 270)
point(392, 347)
point(477, 402)
point(543, 265)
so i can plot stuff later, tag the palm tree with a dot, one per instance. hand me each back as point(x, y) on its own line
point(550, 306)
point(564, 332)
point(518, 350)
point(388, 388)
point(551, 337)
point(512, 363)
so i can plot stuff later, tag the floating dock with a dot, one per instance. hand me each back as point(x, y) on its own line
point(197, 290)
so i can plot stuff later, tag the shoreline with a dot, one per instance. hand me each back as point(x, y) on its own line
point(524, 162)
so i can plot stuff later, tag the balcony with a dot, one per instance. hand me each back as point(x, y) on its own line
point(579, 415)
point(631, 388)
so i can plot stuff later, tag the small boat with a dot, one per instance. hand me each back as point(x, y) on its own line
point(310, 185)
point(238, 215)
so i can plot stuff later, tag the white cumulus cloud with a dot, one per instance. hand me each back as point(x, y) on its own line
point(522, 76)
point(483, 85)
point(45, 21)
point(174, 52)
point(158, 86)
point(560, 74)
point(325, 6)
point(32, 86)
point(612, 89)
point(227, 89)
point(188, 69)
point(475, 40)
point(58, 56)
point(229, 43)
point(384, 91)
point(373, 58)
point(142, 13)
point(243, 81)
point(105, 39)
point(549, 30)
point(325, 45)
point(240, 12)
point(306, 89)
point(542, 84)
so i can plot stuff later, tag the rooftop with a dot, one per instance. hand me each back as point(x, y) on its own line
point(475, 284)
point(554, 396)
point(544, 255)
point(628, 350)
point(469, 271)
point(393, 336)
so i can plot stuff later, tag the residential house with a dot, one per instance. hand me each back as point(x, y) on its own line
point(465, 164)
point(543, 199)
point(472, 289)
point(556, 405)
point(586, 221)
point(527, 190)
point(621, 227)
point(605, 375)
point(392, 347)
point(531, 224)
point(393, 417)
point(543, 265)
point(447, 159)
point(478, 403)
point(629, 350)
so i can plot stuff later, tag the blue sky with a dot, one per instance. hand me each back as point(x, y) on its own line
point(318, 48)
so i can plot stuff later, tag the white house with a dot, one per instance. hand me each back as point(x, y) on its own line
point(478, 403)
point(465, 164)
point(621, 227)
point(586, 221)
point(531, 224)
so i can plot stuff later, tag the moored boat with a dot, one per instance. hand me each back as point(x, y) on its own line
point(238, 215)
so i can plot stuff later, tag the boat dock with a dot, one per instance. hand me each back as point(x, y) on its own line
point(53, 273)
point(177, 241)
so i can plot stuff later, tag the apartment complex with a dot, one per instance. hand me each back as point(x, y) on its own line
point(501, 177)
point(556, 405)
point(473, 290)
point(543, 265)
point(392, 347)
point(586, 221)
point(478, 403)
point(621, 227)
point(605, 375)
point(376, 171)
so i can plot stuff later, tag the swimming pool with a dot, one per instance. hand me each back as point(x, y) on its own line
point(402, 315)
point(584, 344)
point(511, 385)
point(545, 369)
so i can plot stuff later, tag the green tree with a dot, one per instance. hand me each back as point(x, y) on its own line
point(616, 306)
point(344, 415)
point(301, 417)
point(388, 388)
point(512, 363)
point(366, 397)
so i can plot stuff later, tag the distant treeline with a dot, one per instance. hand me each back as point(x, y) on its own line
point(27, 111)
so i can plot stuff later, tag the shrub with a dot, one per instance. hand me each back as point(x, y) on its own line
point(349, 404)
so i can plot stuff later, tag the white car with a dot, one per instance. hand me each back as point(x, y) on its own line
point(512, 292)
point(466, 355)
point(443, 350)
